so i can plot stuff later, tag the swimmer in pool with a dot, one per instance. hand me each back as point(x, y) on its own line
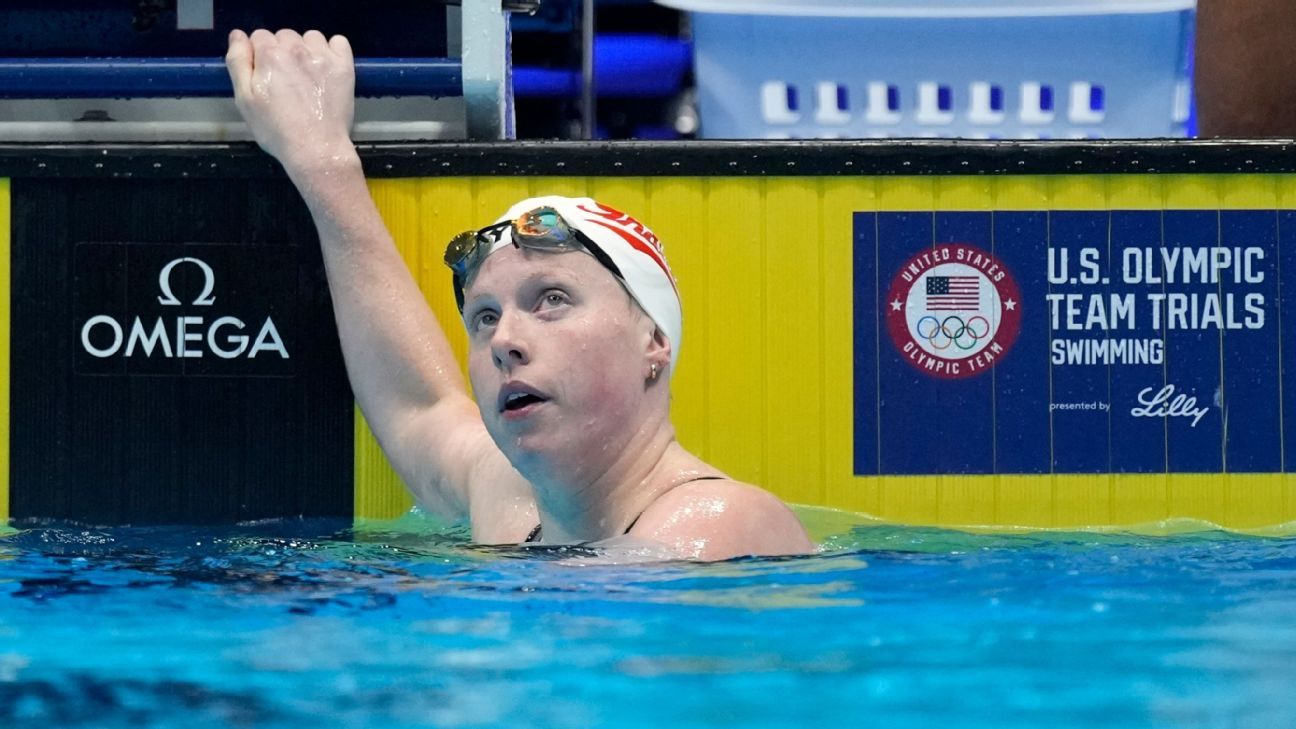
point(574, 329)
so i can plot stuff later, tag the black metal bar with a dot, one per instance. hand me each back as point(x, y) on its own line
point(696, 158)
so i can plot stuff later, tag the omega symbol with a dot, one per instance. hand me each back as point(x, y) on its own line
point(164, 283)
point(182, 336)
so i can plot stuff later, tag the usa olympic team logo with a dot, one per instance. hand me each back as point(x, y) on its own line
point(953, 311)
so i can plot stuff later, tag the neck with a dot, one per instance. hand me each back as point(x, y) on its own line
point(601, 502)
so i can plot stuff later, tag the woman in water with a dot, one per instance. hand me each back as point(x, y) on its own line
point(574, 327)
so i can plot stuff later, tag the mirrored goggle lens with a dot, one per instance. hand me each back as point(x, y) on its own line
point(460, 253)
point(538, 222)
point(543, 227)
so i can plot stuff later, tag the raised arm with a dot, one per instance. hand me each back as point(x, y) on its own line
point(297, 94)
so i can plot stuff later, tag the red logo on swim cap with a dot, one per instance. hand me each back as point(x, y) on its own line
point(631, 231)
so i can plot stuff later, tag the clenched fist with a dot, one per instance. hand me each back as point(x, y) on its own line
point(296, 92)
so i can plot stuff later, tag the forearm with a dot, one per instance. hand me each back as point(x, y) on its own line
point(397, 355)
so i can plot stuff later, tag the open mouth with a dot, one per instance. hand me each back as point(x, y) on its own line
point(520, 400)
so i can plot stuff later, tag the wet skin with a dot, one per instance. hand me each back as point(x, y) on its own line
point(558, 335)
point(571, 421)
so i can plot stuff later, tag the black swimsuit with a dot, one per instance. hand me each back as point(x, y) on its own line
point(534, 536)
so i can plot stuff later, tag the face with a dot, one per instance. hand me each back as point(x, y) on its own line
point(558, 353)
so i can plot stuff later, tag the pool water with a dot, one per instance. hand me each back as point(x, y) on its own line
point(405, 624)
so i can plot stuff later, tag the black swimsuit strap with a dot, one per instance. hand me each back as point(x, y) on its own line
point(534, 536)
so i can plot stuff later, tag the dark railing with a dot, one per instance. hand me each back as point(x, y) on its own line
point(49, 78)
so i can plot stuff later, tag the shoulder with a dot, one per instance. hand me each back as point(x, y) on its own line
point(462, 473)
point(720, 519)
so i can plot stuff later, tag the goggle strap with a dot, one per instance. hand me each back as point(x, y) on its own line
point(598, 253)
point(497, 228)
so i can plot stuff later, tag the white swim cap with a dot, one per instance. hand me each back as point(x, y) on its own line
point(634, 249)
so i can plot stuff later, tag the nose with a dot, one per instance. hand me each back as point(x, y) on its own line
point(508, 343)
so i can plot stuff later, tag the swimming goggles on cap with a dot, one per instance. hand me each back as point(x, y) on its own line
point(542, 229)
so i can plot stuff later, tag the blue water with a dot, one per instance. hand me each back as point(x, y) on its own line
point(314, 624)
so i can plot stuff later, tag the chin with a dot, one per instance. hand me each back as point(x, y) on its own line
point(548, 453)
point(524, 449)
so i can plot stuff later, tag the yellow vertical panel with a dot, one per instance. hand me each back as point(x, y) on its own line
point(735, 327)
point(966, 500)
point(1289, 497)
point(494, 195)
point(1078, 192)
point(397, 201)
point(675, 211)
point(379, 492)
point(840, 199)
point(1023, 500)
point(1196, 496)
point(446, 205)
point(627, 194)
point(5, 248)
point(1139, 498)
point(1082, 499)
point(911, 499)
point(793, 303)
point(1191, 192)
point(860, 494)
point(1135, 192)
point(964, 193)
point(569, 186)
point(1255, 192)
point(1285, 189)
point(1024, 192)
point(1253, 500)
point(906, 193)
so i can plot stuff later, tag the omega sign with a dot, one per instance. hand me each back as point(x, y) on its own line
point(196, 309)
point(226, 337)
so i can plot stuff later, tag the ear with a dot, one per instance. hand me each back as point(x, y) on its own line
point(659, 349)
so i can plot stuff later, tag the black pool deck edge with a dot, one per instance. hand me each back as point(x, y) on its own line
point(677, 158)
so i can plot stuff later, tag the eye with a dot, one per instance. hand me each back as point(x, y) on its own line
point(483, 319)
point(553, 298)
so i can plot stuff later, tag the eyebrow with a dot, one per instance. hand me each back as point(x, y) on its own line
point(542, 278)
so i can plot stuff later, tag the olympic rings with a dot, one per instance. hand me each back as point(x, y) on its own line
point(941, 333)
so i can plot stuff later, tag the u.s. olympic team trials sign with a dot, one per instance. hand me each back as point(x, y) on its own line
point(1137, 341)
